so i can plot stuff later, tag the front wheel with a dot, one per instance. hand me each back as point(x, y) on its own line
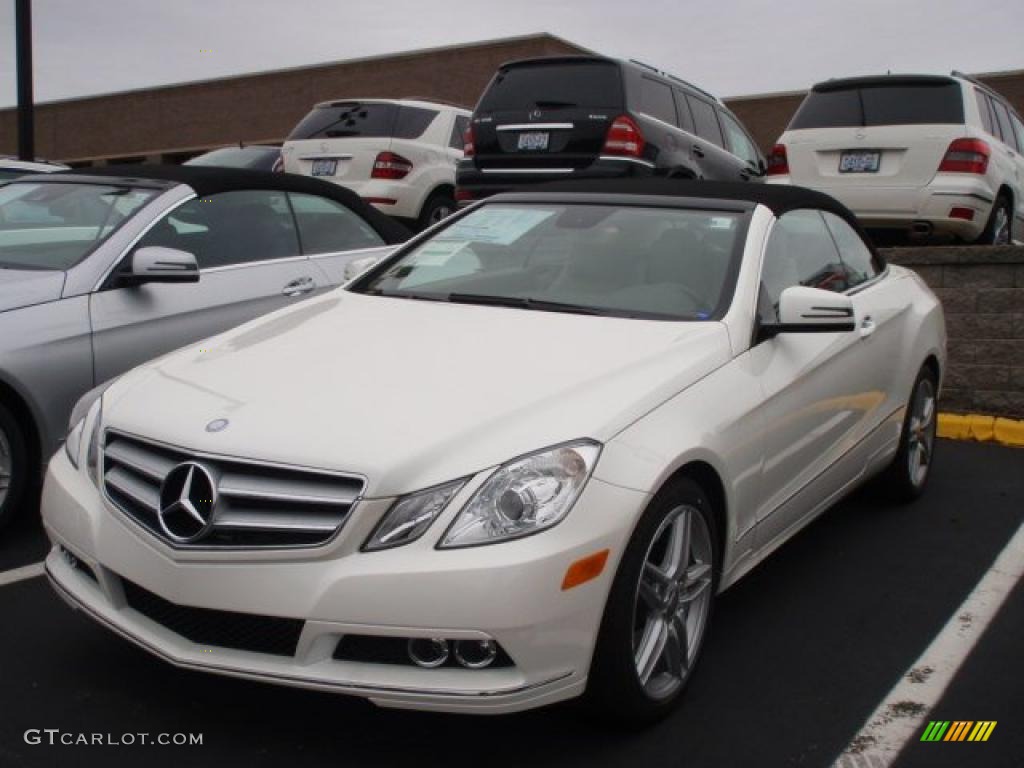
point(14, 470)
point(658, 609)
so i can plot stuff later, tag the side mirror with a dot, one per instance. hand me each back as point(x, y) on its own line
point(811, 310)
point(155, 264)
point(356, 267)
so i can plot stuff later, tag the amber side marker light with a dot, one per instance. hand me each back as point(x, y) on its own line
point(585, 569)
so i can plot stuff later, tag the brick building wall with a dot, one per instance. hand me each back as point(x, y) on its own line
point(159, 122)
point(982, 293)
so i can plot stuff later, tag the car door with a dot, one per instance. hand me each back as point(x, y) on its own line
point(332, 234)
point(816, 386)
point(250, 263)
point(709, 152)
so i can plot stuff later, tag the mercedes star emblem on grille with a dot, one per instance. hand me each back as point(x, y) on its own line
point(217, 425)
point(188, 496)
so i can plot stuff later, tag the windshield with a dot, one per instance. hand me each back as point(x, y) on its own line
point(54, 225)
point(657, 263)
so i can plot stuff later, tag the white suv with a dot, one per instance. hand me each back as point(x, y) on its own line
point(919, 153)
point(399, 155)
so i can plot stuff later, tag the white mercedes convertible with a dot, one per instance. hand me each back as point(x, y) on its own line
point(512, 463)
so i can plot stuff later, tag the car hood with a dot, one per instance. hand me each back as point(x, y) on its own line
point(25, 287)
point(411, 393)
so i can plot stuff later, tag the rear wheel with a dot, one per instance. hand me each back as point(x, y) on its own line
point(999, 229)
point(906, 477)
point(658, 609)
point(14, 470)
point(440, 206)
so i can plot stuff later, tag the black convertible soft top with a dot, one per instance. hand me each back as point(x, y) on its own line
point(211, 180)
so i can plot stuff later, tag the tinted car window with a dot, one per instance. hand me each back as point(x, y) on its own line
point(257, 158)
point(411, 122)
point(739, 143)
point(55, 225)
point(656, 100)
point(881, 105)
point(1003, 119)
point(1018, 128)
point(705, 121)
point(550, 86)
point(458, 132)
point(985, 110)
point(229, 228)
point(857, 257)
point(800, 251)
point(346, 119)
point(683, 109)
point(327, 226)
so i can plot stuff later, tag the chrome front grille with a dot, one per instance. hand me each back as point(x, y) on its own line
point(257, 505)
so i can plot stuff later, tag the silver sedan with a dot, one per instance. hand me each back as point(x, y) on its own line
point(102, 271)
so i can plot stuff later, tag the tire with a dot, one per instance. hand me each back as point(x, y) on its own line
point(14, 466)
point(999, 229)
point(439, 206)
point(617, 689)
point(905, 479)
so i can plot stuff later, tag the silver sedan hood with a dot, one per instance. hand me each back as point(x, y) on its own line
point(25, 287)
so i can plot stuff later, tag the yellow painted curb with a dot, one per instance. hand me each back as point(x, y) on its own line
point(974, 426)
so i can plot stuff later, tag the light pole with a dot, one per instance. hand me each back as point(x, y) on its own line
point(23, 34)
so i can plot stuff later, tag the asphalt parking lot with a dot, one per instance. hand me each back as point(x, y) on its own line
point(800, 654)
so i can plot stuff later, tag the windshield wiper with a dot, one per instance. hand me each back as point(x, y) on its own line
point(524, 302)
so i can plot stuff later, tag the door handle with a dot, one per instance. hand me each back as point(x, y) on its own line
point(867, 327)
point(299, 286)
point(697, 151)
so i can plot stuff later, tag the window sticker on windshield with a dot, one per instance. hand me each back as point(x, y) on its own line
point(721, 222)
point(437, 253)
point(497, 226)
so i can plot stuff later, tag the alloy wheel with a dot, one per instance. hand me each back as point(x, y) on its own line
point(1001, 228)
point(921, 436)
point(672, 602)
point(439, 213)
point(6, 466)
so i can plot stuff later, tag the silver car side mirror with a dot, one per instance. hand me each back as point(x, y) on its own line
point(156, 264)
point(356, 267)
point(811, 310)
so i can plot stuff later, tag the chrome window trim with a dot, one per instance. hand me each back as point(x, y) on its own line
point(353, 252)
point(536, 127)
point(247, 264)
point(624, 159)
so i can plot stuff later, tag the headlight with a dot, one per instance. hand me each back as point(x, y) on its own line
point(525, 496)
point(89, 405)
point(411, 516)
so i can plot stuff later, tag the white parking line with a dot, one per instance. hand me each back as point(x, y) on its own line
point(20, 574)
point(900, 717)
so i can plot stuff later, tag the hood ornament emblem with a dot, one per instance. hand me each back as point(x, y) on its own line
point(217, 425)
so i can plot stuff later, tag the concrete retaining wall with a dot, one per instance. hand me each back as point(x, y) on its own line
point(982, 291)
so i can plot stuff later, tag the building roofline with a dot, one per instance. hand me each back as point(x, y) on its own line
point(396, 55)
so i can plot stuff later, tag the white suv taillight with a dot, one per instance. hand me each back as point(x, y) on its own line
point(388, 165)
point(778, 161)
point(468, 142)
point(966, 156)
point(624, 138)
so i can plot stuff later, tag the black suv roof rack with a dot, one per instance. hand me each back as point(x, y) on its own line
point(670, 76)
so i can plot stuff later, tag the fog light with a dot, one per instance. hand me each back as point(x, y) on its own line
point(428, 652)
point(475, 654)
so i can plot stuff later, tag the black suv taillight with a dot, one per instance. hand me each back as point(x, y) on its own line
point(624, 138)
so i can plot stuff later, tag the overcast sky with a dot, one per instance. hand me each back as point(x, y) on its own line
point(731, 47)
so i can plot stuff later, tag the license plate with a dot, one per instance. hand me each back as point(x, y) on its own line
point(325, 167)
point(533, 141)
point(859, 162)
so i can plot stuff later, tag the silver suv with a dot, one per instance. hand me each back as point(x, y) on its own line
point(92, 270)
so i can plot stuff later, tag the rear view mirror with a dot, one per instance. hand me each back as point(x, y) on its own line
point(811, 310)
point(155, 264)
point(356, 267)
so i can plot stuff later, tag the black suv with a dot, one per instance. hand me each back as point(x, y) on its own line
point(591, 117)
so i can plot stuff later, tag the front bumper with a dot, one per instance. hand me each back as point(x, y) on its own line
point(509, 592)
